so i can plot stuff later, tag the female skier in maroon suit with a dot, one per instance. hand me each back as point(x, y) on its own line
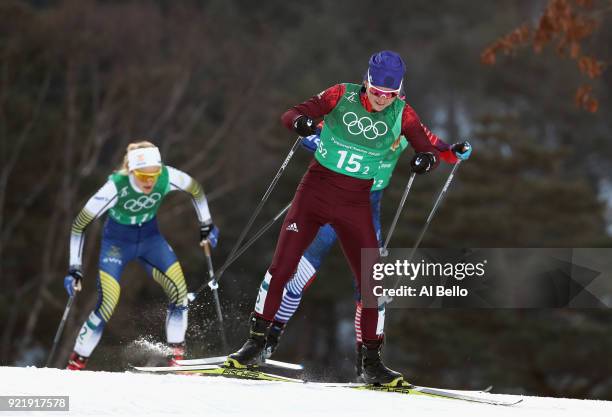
point(361, 123)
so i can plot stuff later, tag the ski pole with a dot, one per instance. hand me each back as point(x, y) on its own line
point(60, 329)
point(261, 203)
point(217, 276)
point(383, 250)
point(211, 272)
point(435, 207)
point(428, 221)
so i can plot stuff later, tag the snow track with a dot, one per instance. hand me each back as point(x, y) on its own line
point(131, 394)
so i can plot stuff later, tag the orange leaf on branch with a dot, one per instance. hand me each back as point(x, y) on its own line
point(585, 100)
point(568, 27)
point(587, 4)
point(488, 57)
point(590, 66)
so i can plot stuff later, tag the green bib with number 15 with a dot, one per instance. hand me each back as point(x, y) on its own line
point(353, 140)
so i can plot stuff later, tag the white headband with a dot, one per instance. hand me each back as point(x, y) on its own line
point(143, 157)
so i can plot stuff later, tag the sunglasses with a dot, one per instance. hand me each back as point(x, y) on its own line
point(382, 93)
point(144, 176)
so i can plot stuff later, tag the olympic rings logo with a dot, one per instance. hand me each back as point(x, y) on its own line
point(143, 202)
point(364, 125)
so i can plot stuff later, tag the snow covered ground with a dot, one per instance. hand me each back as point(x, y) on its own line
point(129, 394)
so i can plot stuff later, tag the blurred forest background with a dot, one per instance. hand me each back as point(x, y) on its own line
point(208, 80)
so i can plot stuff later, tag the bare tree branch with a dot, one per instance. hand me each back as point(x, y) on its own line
point(178, 92)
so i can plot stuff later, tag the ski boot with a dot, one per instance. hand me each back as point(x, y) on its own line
point(252, 352)
point(274, 334)
point(374, 371)
point(76, 362)
point(177, 353)
point(359, 361)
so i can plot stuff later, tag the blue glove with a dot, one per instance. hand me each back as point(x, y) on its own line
point(72, 281)
point(209, 232)
point(462, 150)
point(311, 143)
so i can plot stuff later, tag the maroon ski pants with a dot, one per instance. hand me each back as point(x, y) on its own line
point(322, 197)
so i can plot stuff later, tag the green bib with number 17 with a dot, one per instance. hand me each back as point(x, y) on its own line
point(353, 140)
point(135, 207)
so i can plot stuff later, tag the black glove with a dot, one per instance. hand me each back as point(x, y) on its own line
point(304, 126)
point(422, 162)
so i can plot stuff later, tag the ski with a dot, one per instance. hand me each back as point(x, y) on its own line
point(214, 360)
point(216, 370)
point(435, 392)
point(239, 373)
point(358, 385)
point(465, 395)
point(255, 374)
point(162, 369)
point(459, 396)
point(218, 360)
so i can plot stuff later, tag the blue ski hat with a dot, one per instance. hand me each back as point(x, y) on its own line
point(386, 69)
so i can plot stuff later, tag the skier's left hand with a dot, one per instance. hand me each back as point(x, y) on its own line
point(423, 162)
point(210, 232)
point(462, 150)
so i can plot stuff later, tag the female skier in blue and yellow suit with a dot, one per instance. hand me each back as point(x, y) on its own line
point(132, 197)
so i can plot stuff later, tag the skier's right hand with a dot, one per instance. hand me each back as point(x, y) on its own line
point(423, 162)
point(210, 232)
point(304, 126)
point(462, 150)
point(72, 282)
point(311, 143)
